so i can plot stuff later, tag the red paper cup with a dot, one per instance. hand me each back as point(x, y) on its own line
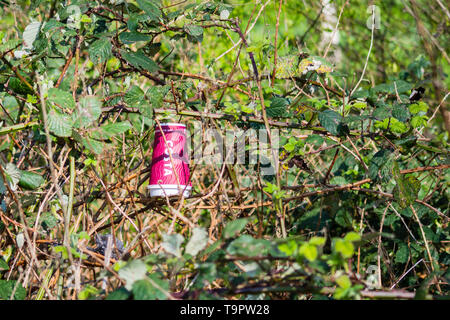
point(170, 177)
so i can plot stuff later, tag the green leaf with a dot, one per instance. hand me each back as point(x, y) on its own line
point(31, 180)
point(402, 86)
point(397, 126)
point(93, 145)
point(343, 217)
point(419, 121)
point(62, 250)
point(344, 282)
point(119, 294)
point(3, 265)
point(133, 271)
point(198, 241)
point(132, 37)
point(359, 105)
point(16, 85)
point(193, 30)
point(407, 188)
point(156, 95)
point(234, 227)
point(139, 60)
point(150, 9)
point(7, 288)
point(172, 243)
point(381, 113)
point(381, 164)
point(152, 288)
point(317, 241)
point(13, 175)
point(287, 66)
point(288, 247)
point(134, 96)
point(309, 251)
point(61, 98)
point(361, 93)
point(352, 236)
point(344, 247)
point(110, 130)
point(277, 108)
point(331, 121)
point(245, 245)
point(88, 292)
point(418, 107)
point(88, 111)
point(402, 254)
point(100, 50)
point(30, 34)
point(49, 221)
point(401, 113)
point(60, 124)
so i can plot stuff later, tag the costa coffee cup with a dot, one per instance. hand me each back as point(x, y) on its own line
point(170, 176)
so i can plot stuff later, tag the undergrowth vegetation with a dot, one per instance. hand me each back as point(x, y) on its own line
point(354, 206)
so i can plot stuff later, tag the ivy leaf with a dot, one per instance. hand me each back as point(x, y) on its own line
point(198, 241)
point(31, 180)
point(277, 107)
point(139, 60)
point(150, 9)
point(172, 243)
point(61, 98)
point(100, 50)
point(60, 124)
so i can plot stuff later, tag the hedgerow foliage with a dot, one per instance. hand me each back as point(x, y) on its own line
point(356, 208)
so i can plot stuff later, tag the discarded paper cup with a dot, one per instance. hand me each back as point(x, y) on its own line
point(170, 177)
